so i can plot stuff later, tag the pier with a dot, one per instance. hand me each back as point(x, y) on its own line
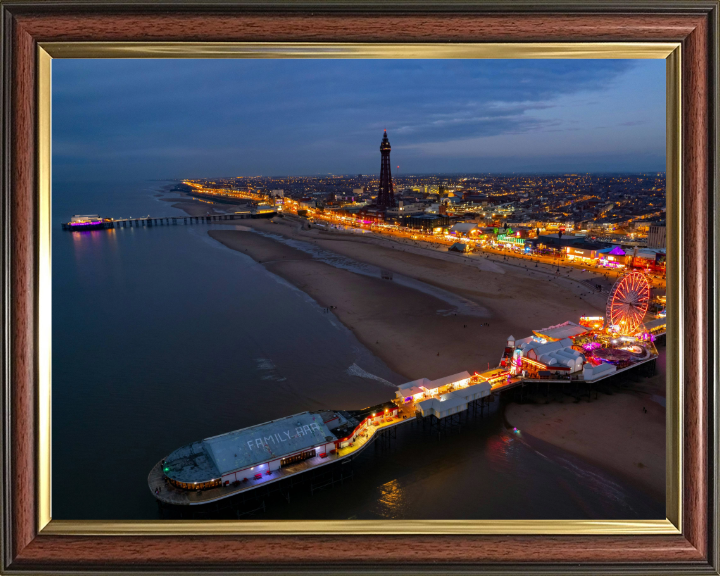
point(409, 412)
point(169, 494)
point(108, 223)
point(574, 355)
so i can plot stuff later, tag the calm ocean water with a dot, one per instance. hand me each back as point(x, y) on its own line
point(162, 336)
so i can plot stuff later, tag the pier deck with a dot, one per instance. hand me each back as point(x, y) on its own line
point(110, 223)
point(519, 380)
point(170, 495)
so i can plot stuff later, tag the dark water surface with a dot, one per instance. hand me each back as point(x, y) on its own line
point(162, 336)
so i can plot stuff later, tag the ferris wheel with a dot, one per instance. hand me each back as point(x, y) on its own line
point(628, 303)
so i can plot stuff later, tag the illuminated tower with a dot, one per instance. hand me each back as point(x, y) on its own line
point(386, 196)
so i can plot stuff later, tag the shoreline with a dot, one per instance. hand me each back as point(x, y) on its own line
point(185, 202)
point(360, 303)
point(402, 327)
point(653, 488)
point(416, 334)
point(631, 415)
point(623, 431)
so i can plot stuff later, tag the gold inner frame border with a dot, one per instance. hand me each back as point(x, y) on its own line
point(669, 51)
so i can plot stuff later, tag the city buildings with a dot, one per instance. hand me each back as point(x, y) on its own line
point(656, 236)
point(617, 209)
point(615, 221)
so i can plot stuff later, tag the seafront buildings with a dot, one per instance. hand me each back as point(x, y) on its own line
point(611, 221)
point(606, 204)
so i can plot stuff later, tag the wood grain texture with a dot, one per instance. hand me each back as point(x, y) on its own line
point(397, 551)
point(22, 291)
point(688, 552)
point(696, 133)
point(319, 27)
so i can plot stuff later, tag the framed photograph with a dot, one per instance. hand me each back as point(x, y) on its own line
point(358, 288)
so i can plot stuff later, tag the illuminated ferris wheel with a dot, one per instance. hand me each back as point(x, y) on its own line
point(628, 303)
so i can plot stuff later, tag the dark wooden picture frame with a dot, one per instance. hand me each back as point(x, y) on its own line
point(26, 549)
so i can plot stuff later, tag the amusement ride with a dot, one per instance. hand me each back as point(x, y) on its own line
point(628, 303)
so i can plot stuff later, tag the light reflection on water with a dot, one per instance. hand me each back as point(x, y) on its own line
point(390, 503)
point(479, 471)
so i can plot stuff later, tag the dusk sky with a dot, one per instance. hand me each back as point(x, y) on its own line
point(154, 119)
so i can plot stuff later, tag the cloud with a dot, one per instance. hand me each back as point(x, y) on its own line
point(303, 116)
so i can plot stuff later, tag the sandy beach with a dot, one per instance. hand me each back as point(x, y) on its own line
point(415, 333)
point(612, 431)
point(196, 207)
point(418, 335)
point(400, 325)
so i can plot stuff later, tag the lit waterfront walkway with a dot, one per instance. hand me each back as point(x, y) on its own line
point(443, 242)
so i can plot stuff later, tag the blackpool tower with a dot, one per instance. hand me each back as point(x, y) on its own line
point(386, 196)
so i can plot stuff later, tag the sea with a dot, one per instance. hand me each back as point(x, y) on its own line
point(162, 336)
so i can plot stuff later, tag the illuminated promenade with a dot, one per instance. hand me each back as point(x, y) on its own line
point(400, 233)
point(445, 241)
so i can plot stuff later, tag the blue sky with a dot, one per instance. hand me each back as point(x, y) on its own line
point(197, 118)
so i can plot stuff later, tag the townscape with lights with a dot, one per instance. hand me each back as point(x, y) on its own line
point(605, 221)
point(465, 213)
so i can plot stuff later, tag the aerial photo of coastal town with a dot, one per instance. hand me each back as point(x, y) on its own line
point(440, 298)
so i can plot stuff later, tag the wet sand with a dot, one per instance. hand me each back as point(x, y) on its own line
point(403, 327)
point(400, 325)
point(196, 207)
point(519, 299)
point(406, 328)
point(612, 431)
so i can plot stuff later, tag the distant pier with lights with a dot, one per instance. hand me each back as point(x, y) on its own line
point(94, 222)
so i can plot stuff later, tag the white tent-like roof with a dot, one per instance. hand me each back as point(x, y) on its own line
point(561, 331)
point(541, 349)
point(422, 382)
point(440, 382)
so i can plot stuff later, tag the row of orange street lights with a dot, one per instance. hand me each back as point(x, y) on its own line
point(387, 230)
